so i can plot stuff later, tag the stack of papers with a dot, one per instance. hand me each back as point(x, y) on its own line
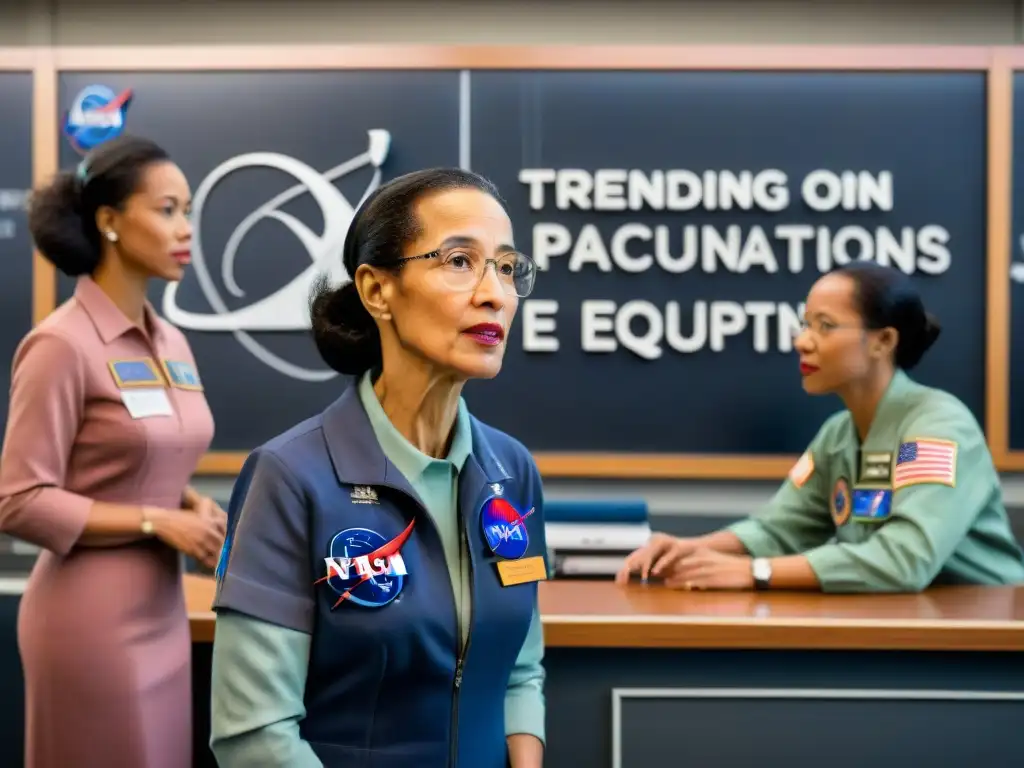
point(591, 539)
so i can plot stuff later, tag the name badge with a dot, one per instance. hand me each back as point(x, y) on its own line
point(522, 571)
point(147, 403)
point(138, 372)
point(182, 375)
point(871, 504)
point(876, 468)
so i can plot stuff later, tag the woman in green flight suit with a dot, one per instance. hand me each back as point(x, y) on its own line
point(895, 493)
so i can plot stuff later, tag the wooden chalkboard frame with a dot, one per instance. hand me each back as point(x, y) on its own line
point(1007, 62)
point(996, 62)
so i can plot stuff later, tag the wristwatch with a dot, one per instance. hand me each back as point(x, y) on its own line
point(147, 524)
point(761, 568)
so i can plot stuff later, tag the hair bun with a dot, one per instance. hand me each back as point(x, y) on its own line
point(344, 332)
point(57, 227)
point(917, 340)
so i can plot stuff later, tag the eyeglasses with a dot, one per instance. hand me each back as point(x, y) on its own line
point(462, 269)
point(821, 328)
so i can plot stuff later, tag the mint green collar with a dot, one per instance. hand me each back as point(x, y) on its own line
point(892, 402)
point(410, 461)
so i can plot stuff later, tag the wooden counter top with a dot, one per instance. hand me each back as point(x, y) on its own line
point(591, 614)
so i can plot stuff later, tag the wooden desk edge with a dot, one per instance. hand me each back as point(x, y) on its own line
point(799, 633)
point(751, 634)
point(805, 634)
point(202, 625)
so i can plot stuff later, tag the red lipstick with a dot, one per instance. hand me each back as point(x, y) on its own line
point(488, 334)
point(807, 370)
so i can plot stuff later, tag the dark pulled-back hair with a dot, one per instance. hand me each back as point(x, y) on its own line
point(886, 298)
point(62, 213)
point(344, 331)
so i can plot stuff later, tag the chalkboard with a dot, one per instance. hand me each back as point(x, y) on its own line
point(926, 130)
point(1016, 276)
point(15, 243)
point(908, 148)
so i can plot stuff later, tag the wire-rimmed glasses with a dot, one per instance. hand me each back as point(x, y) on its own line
point(462, 269)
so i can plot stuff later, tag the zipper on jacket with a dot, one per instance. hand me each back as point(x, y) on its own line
point(461, 650)
point(453, 742)
point(457, 682)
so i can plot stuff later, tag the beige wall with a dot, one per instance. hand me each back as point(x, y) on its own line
point(113, 22)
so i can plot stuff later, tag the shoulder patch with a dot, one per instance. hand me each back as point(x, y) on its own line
point(925, 460)
point(802, 470)
point(840, 504)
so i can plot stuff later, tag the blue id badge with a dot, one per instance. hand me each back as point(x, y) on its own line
point(182, 375)
point(871, 504)
point(137, 372)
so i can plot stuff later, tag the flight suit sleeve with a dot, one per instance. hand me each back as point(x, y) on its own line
point(797, 517)
point(47, 402)
point(265, 570)
point(257, 686)
point(935, 501)
point(525, 706)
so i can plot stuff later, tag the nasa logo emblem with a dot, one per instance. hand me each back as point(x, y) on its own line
point(839, 503)
point(96, 115)
point(365, 568)
point(320, 233)
point(505, 528)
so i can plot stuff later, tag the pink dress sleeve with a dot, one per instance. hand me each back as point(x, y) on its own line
point(47, 401)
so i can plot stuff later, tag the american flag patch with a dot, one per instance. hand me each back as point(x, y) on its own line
point(802, 470)
point(925, 461)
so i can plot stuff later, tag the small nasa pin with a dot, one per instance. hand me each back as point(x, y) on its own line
point(137, 372)
point(182, 375)
point(364, 494)
point(365, 568)
point(839, 502)
point(505, 528)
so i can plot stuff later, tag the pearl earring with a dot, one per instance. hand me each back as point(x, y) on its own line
point(385, 316)
point(112, 236)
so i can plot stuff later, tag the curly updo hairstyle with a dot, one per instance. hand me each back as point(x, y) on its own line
point(344, 331)
point(62, 213)
point(886, 298)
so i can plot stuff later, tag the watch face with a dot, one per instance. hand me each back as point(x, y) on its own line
point(762, 570)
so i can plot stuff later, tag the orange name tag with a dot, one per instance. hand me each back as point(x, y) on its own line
point(523, 571)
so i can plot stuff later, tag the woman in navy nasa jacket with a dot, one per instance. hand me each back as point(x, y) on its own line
point(377, 593)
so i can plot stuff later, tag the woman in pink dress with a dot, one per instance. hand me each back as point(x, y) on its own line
point(107, 422)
